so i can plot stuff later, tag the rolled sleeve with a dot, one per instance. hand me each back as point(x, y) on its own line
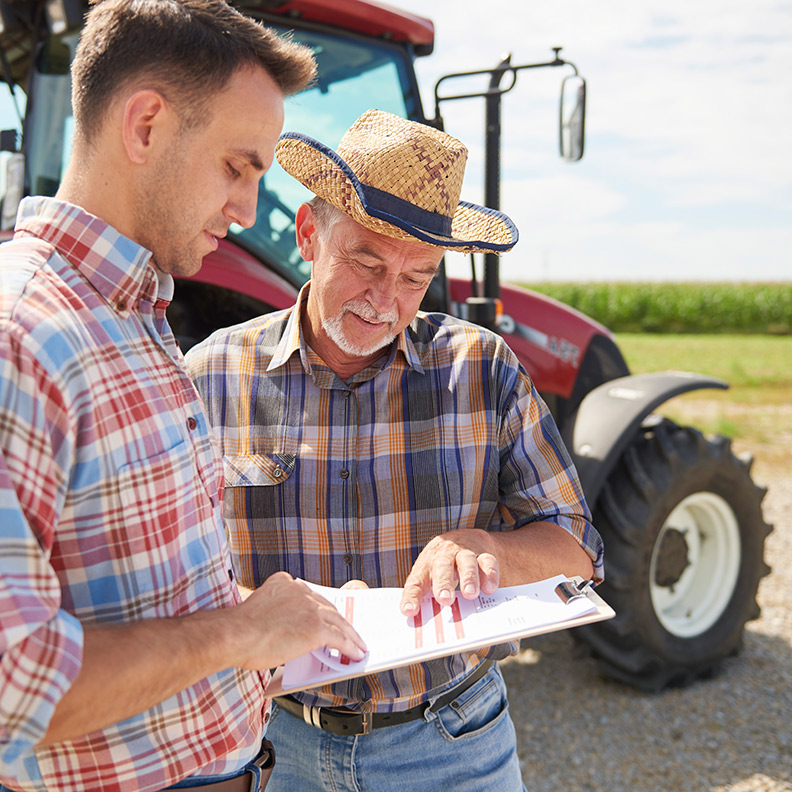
point(40, 644)
point(538, 480)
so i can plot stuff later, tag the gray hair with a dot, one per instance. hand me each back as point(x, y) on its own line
point(326, 215)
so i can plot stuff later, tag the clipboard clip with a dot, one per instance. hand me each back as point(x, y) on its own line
point(567, 590)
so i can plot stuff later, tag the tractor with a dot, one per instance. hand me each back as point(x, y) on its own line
point(679, 512)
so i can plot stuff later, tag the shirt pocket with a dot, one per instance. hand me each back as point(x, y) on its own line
point(166, 537)
point(257, 470)
point(259, 514)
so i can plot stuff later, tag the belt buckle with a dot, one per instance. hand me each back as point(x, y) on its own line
point(313, 717)
point(367, 721)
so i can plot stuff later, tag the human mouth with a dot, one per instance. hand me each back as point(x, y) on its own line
point(367, 321)
point(214, 239)
point(366, 314)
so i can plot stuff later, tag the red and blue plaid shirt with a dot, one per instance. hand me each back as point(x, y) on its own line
point(110, 507)
point(334, 480)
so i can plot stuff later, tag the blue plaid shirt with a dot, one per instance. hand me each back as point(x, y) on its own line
point(334, 480)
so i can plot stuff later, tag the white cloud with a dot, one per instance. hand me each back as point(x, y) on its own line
point(688, 166)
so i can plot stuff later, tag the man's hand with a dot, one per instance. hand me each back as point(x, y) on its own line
point(464, 557)
point(128, 668)
point(283, 619)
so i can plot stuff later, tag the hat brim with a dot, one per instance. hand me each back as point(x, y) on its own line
point(472, 228)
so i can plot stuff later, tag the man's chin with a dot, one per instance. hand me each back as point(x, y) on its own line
point(360, 351)
point(355, 348)
point(180, 269)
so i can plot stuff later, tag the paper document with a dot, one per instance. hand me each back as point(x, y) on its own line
point(394, 639)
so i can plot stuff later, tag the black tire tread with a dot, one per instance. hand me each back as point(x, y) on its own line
point(655, 472)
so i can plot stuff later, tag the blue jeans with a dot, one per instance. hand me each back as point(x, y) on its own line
point(467, 746)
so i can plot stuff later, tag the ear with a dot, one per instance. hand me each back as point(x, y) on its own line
point(306, 232)
point(147, 118)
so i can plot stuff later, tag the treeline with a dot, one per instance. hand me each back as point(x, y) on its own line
point(764, 308)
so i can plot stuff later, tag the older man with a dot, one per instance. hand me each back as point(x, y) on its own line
point(365, 440)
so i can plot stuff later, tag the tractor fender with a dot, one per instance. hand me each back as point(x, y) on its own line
point(609, 416)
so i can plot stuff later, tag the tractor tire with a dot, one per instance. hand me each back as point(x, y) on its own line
point(684, 537)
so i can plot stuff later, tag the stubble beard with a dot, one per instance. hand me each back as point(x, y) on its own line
point(162, 212)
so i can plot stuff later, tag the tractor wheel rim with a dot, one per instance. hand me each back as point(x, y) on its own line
point(699, 597)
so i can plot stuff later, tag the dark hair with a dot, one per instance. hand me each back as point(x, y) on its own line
point(186, 49)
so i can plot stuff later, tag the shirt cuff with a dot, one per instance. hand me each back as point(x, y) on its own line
point(35, 674)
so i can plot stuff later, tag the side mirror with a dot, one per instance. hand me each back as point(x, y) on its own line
point(573, 117)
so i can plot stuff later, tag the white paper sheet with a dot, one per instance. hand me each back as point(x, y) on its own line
point(394, 639)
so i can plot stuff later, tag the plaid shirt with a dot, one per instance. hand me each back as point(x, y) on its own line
point(334, 480)
point(109, 507)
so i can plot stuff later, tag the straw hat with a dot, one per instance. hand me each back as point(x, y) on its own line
point(400, 179)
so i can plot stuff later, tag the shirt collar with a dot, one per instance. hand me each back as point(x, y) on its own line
point(293, 341)
point(118, 268)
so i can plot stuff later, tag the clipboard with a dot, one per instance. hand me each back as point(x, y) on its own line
point(394, 640)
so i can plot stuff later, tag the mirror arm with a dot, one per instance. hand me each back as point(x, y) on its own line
point(496, 74)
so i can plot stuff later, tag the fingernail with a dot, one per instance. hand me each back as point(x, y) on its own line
point(445, 594)
point(408, 607)
point(470, 589)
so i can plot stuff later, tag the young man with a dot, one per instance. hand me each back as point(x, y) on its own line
point(366, 440)
point(127, 660)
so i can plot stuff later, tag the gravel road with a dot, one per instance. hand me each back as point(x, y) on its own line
point(577, 731)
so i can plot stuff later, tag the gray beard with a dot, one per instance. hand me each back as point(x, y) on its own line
point(336, 334)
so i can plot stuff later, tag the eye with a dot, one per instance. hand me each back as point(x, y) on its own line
point(232, 170)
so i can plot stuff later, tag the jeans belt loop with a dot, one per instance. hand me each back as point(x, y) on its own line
point(312, 716)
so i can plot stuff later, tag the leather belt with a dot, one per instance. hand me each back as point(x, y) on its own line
point(246, 782)
point(338, 720)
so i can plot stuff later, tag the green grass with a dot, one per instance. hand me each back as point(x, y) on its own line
point(763, 308)
point(762, 363)
point(746, 360)
point(758, 368)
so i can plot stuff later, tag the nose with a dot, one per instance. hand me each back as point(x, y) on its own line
point(382, 295)
point(241, 205)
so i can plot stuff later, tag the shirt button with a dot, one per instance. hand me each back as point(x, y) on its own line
point(191, 423)
point(278, 472)
point(347, 394)
point(121, 305)
point(348, 558)
point(266, 718)
point(344, 474)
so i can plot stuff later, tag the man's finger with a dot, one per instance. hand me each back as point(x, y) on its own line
point(444, 578)
point(467, 570)
point(415, 588)
point(489, 572)
point(341, 635)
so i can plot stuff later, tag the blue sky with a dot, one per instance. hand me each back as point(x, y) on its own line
point(687, 173)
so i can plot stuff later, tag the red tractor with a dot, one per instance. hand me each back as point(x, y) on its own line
point(680, 514)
